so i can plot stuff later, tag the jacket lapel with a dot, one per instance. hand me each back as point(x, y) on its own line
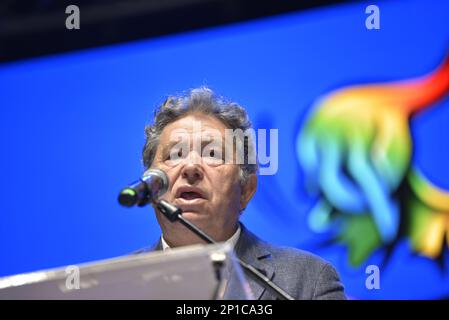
point(253, 251)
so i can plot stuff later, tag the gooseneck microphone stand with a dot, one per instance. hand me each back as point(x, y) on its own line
point(173, 213)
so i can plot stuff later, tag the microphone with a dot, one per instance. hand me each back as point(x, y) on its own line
point(153, 184)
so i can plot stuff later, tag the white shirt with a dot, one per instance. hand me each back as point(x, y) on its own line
point(232, 240)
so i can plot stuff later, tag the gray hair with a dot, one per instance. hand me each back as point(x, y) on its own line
point(204, 101)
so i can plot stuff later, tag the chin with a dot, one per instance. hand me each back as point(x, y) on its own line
point(194, 215)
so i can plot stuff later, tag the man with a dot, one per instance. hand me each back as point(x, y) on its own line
point(188, 141)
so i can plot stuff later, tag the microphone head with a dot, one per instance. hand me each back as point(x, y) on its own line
point(152, 185)
point(163, 185)
point(128, 197)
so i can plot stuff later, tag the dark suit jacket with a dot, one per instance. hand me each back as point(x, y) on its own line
point(302, 274)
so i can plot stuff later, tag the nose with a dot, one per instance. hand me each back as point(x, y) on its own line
point(192, 170)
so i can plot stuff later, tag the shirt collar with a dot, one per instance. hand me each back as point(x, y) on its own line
point(232, 240)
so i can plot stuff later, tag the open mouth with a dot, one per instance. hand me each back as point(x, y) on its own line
point(190, 195)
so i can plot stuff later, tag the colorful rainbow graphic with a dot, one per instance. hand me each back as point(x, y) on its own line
point(356, 151)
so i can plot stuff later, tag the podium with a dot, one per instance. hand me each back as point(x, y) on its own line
point(201, 272)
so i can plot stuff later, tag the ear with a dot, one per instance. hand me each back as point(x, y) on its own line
point(248, 191)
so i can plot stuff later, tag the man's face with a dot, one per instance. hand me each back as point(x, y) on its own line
point(191, 151)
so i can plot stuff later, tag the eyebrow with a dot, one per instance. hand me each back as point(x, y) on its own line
point(166, 148)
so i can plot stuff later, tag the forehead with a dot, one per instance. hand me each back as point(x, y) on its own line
point(194, 124)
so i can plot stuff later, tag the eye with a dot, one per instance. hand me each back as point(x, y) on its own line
point(213, 153)
point(213, 156)
point(177, 154)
